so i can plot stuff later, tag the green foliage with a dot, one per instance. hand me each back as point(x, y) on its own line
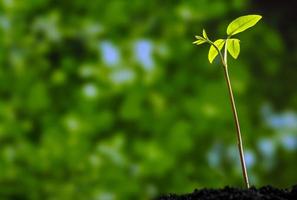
point(242, 23)
point(213, 52)
point(233, 47)
point(236, 26)
point(204, 34)
point(200, 40)
point(84, 116)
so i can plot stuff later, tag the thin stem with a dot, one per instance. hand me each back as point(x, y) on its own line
point(236, 120)
point(225, 53)
point(234, 110)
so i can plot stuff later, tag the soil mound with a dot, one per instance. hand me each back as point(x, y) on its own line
point(229, 193)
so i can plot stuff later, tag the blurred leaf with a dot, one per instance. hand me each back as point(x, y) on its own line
point(80, 114)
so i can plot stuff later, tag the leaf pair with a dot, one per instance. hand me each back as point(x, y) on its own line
point(233, 45)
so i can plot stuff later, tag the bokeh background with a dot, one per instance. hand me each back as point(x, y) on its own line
point(110, 100)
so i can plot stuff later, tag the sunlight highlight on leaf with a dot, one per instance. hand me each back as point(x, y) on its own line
point(213, 51)
point(242, 23)
point(233, 47)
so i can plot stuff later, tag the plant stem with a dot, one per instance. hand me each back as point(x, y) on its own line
point(234, 110)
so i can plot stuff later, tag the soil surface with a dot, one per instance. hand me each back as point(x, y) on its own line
point(229, 193)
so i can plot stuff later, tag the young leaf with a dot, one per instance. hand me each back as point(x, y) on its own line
point(204, 34)
point(233, 47)
point(212, 50)
point(199, 41)
point(242, 23)
point(199, 37)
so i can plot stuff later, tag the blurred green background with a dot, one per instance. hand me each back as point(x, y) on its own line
point(110, 100)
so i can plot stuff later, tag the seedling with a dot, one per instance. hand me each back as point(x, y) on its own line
point(231, 45)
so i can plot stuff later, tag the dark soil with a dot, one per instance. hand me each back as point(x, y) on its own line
point(228, 193)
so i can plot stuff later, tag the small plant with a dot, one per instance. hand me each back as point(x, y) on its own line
point(231, 45)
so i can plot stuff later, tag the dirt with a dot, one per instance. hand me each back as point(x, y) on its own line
point(229, 193)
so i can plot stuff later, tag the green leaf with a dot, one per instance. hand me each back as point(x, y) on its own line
point(242, 23)
point(213, 51)
point(198, 42)
point(199, 37)
point(204, 34)
point(233, 47)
